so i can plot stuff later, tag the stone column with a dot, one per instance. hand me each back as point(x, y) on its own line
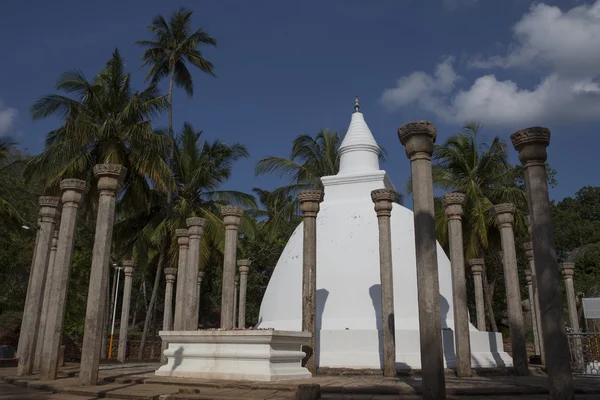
point(128, 267)
point(477, 265)
point(418, 138)
point(531, 299)
point(168, 312)
point(183, 240)
point(29, 286)
point(310, 201)
point(46, 300)
point(198, 290)
point(72, 194)
point(504, 220)
point(231, 220)
point(453, 203)
point(190, 286)
point(110, 177)
point(35, 293)
point(528, 247)
point(244, 267)
point(235, 300)
point(531, 144)
point(568, 268)
point(384, 200)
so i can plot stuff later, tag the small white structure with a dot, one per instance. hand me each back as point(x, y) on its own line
point(255, 355)
point(348, 286)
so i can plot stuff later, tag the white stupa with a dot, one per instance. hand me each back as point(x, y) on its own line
point(348, 280)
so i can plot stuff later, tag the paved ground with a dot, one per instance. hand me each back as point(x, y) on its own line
point(137, 381)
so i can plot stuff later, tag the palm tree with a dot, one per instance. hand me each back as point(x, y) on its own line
point(173, 46)
point(280, 215)
point(9, 216)
point(483, 174)
point(104, 122)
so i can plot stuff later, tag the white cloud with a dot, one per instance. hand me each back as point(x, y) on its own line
point(7, 118)
point(565, 44)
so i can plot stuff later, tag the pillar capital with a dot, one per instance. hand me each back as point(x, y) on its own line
point(231, 216)
point(55, 239)
point(418, 138)
point(128, 267)
point(170, 274)
point(195, 226)
point(453, 203)
point(110, 177)
point(183, 237)
point(384, 200)
point(528, 276)
point(568, 269)
point(72, 191)
point(476, 265)
point(504, 214)
point(48, 208)
point(528, 248)
point(310, 201)
point(244, 266)
point(531, 144)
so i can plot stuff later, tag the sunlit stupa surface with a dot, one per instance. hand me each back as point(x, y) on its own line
point(348, 280)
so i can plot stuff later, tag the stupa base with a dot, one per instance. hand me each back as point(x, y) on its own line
point(362, 349)
point(254, 355)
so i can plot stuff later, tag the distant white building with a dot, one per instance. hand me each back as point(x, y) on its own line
point(348, 280)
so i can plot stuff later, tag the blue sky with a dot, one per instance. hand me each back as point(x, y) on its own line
point(287, 68)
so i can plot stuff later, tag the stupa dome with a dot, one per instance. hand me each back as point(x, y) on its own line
point(348, 276)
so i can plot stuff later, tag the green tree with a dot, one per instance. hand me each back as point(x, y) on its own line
point(9, 215)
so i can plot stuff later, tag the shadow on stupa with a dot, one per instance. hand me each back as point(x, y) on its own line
point(322, 295)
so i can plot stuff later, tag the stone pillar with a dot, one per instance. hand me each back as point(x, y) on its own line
point(30, 323)
point(128, 268)
point(418, 138)
point(168, 312)
point(183, 240)
point(477, 265)
point(244, 267)
point(110, 177)
point(190, 286)
point(198, 291)
point(528, 247)
point(568, 268)
point(384, 200)
point(504, 220)
point(46, 300)
point(231, 220)
point(531, 144)
point(235, 300)
point(453, 203)
point(310, 201)
point(29, 286)
point(72, 194)
point(531, 299)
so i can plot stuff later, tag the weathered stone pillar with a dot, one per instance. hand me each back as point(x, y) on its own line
point(531, 144)
point(310, 201)
point(418, 138)
point(531, 299)
point(128, 268)
point(528, 247)
point(198, 291)
point(235, 300)
point(29, 286)
point(71, 197)
point(477, 265)
point(231, 220)
point(568, 269)
point(504, 220)
point(453, 203)
point(190, 286)
point(46, 301)
point(183, 240)
point(168, 312)
point(384, 200)
point(110, 177)
point(30, 323)
point(244, 267)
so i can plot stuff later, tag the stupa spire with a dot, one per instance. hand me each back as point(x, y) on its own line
point(359, 152)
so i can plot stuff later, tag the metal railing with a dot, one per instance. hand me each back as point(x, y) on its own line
point(585, 353)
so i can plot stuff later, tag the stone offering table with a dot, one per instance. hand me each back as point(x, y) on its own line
point(255, 355)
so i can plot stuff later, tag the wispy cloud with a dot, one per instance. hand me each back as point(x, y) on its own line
point(7, 118)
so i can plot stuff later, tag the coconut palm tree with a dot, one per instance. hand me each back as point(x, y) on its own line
point(174, 45)
point(104, 122)
point(481, 171)
point(280, 215)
